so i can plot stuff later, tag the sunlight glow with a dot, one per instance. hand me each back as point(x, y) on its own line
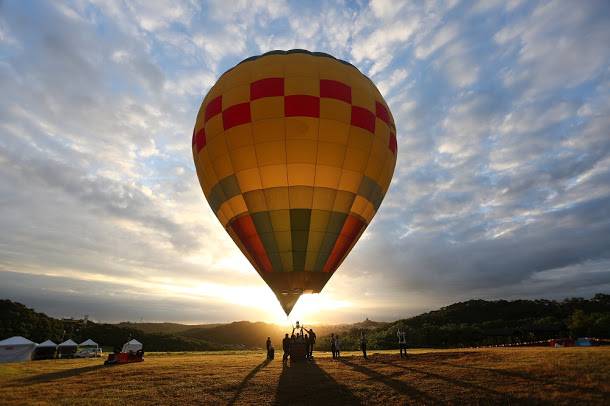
point(260, 300)
point(311, 308)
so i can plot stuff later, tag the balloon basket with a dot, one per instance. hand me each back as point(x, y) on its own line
point(298, 352)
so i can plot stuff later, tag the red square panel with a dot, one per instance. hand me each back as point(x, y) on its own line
point(363, 118)
point(383, 113)
point(302, 105)
point(267, 88)
point(199, 139)
point(214, 107)
point(236, 115)
point(335, 90)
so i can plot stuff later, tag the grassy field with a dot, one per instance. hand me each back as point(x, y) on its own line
point(482, 376)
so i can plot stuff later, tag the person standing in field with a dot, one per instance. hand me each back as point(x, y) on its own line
point(270, 349)
point(312, 341)
point(333, 348)
point(286, 348)
point(363, 343)
point(337, 347)
point(306, 339)
point(402, 343)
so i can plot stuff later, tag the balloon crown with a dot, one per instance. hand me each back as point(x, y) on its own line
point(295, 51)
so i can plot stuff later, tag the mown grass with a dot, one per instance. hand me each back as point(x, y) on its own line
point(481, 376)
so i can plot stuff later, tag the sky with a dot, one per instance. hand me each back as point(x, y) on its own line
point(501, 189)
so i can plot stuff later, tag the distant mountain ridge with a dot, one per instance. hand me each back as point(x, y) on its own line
point(17, 319)
point(164, 327)
point(470, 323)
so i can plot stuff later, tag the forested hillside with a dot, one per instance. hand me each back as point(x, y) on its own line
point(165, 328)
point(482, 322)
point(16, 319)
point(471, 323)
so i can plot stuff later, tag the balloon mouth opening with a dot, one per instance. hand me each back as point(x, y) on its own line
point(289, 286)
point(289, 298)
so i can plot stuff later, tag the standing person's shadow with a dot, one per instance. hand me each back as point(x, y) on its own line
point(399, 386)
point(306, 383)
point(245, 381)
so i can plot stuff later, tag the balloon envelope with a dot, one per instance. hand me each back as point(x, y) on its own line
point(294, 152)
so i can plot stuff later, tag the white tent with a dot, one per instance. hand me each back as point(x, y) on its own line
point(47, 343)
point(67, 349)
point(45, 350)
point(16, 349)
point(133, 345)
point(88, 343)
point(68, 343)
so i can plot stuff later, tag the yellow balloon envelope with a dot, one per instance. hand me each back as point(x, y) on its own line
point(294, 152)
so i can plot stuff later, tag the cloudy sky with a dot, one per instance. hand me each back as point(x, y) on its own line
point(502, 186)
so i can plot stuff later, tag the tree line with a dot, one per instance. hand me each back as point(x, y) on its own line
point(466, 324)
point(17, 319)
point(486, 323)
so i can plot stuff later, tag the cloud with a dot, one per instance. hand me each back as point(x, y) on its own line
point(388, 85)
point(378, 46)
point(553, 41)
point(149, 15)
point(246, 10)
point(501, 188)
point(460, 69)
point(439, 39)
point(385, 8)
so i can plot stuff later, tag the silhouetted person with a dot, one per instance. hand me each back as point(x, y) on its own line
point(363, 343)
point(337, 346)
point(333, 348)
point(307, 343)
point(312, 341)
point(270, 349)
point(402, 343)
point(286, 348)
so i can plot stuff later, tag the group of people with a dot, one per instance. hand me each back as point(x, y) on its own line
point(300, 345)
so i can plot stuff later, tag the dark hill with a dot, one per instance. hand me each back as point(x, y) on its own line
point(482, 322)
point(471, 323)
point(16, 319)
point(480, 311)
point(165, 328)
point(242, 333)
point(370, 324)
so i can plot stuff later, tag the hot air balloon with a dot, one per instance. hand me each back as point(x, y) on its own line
point(294, 151)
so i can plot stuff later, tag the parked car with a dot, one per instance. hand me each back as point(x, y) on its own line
point(88, 353)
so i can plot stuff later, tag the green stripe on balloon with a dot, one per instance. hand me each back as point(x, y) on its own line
point(299, 223)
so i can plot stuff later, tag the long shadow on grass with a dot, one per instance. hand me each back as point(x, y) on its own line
point(529, 377)
point(454, 381)
point(67, 373)
point(245, 381)
point(399, 386)
point(306, 383)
